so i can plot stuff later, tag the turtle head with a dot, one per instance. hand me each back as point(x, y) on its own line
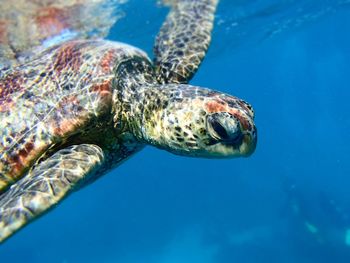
point(194, 121)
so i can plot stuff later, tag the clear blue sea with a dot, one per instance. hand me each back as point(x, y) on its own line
point(289, 202)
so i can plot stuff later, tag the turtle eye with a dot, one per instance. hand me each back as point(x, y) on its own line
point(219, 130)
point(224, 127)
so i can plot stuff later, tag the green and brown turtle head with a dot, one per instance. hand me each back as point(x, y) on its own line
point(198, 122)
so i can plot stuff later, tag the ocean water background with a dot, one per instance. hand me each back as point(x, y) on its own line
point(288, 202)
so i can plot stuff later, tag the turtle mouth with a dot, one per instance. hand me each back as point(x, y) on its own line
point(248, 143)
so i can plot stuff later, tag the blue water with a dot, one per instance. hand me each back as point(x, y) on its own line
point(289, 202)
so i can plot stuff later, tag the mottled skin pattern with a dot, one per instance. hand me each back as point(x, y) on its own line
point(47, 184)
point(76, 110)
point(60, 93)
point(176, 64)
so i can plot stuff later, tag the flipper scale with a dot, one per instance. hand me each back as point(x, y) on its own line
point(46, 185)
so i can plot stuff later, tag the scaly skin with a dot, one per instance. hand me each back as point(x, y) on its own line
point(110, 88)
point(60, 93)
point(183, 39)
point(94, 126)
point(75, 110)
point(181, 118)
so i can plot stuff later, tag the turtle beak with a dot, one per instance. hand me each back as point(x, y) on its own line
point(249, 142)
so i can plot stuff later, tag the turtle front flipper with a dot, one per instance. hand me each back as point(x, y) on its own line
point(184, 39)
point(46, 185)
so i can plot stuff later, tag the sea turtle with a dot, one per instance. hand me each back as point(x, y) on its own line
point(73, 106)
